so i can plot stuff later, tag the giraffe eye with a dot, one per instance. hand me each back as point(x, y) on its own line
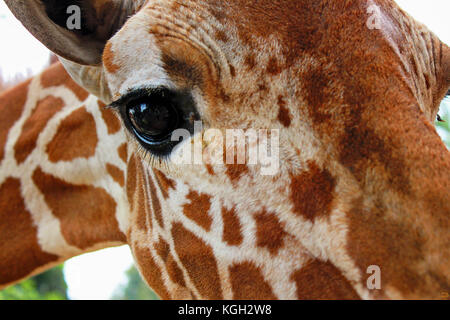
point(153, 120)
point(152, 115)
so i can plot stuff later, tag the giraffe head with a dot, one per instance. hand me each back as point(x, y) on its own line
point(346, 92)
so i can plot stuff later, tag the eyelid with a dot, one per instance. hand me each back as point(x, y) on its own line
point(133, 95)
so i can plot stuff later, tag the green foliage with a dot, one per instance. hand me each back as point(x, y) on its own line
point(49, 285)
point(134, 289)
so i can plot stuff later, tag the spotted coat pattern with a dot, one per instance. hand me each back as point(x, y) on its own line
point(363, 175)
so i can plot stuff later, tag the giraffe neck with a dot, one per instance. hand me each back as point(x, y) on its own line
point(62, 161)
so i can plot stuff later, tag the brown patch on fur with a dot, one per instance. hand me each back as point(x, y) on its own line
point(76, 137)
point(56, 76)
point(199, 261)
point(45, 109)
point(232, 70)
point(164, 183)
point(232, 228)
point(315, 83)
point(108, 59)
point(116, 174)
point(269, 232)
point(150, 271)
point(223, 96)
point(248, 283)
point(396, 246)
point(210, 169)
point(86, 213)
point(12, 103)
point(283, 115)
point(172, 268)
point(19, 248)
point(263, 87)
point(162, 248)
point(361, 147)
point(143, 210)
point(123, 152)
point(174, 271)
point(221, 36)
point(182, 70)
point(198, 209)
point(272, 67)
point(111, 120)
point(157, 211)
point(250, 61)
point(131, 181)
point(236, 171)
point(312, 192)
point(319, 280)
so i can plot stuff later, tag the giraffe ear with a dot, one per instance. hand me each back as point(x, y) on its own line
point(76, 30)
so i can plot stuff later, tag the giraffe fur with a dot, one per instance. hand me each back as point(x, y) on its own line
point(363, 176)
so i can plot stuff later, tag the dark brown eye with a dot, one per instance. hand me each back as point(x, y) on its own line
point(153, 115)
point(153, 120)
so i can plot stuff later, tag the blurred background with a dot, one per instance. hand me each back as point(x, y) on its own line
point(109, 273)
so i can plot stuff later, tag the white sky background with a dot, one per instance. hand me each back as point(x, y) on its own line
point(97, 275)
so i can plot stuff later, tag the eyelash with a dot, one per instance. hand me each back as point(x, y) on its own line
point(153, 160)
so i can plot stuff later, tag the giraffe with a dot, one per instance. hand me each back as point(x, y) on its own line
point(363, 176)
